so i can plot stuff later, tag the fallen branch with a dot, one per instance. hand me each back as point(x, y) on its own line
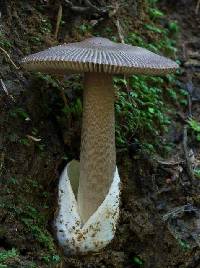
point(186, 153)
point(8, 56)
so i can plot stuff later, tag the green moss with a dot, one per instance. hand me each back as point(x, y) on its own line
point(8, 255)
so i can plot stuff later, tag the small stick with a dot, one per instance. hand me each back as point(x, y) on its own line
point(114, 11)
point(8, 56)
point(59, 18)
point(2, 162)
point(33, 138)
point(187, 158)
point(185, 52)
point(119, 29)
point(168, 163)
point(62, 94)
point(197, 7)
point(189, 105)
point(6, 90)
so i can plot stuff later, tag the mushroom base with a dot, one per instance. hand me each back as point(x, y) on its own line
point(73, 236)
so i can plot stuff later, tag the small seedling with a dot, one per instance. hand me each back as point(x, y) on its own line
point(138, 261)
point(184, 245)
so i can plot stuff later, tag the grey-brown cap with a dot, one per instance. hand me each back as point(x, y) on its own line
point(99, 54)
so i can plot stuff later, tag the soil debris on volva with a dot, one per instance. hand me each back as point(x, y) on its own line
point(40, 125)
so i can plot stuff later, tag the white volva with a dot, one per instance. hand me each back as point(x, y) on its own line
point(75, 237)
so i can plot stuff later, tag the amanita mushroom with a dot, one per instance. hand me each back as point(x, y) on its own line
point(97, 204)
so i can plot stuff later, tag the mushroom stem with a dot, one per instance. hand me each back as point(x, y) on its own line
point(98, 155)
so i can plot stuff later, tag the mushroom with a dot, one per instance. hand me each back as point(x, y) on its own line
point(98, 58)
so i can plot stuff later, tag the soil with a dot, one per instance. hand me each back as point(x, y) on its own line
point(160, 202)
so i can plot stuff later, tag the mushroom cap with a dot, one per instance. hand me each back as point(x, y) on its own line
point(99, 54)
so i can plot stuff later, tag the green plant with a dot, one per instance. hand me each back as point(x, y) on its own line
point(8, 255)
point(197, 172)
point(142, 108)
point(34, 219)
point(45, 26)
point(155, 29)
point(36, 40)
point(5, 42)
point(73, 109)
point(141, 113)
point(155, 13)
point(184, 244)
point(51, 259)
point(152, 2)
point(174, 27)
point(24, 141)
point(195, 126)
point(41, 235)
point(85, 28)
point(19, 112)
point(137, 261)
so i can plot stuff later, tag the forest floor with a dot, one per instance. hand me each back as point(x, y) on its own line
point(159, 224)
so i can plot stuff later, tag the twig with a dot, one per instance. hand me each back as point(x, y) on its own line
point(186, 153)
point(92, 7)
point(190, 89)
point(6, 90)
point(86, 9)
point(119, 29)
point(77, 8)
point(8, 56)
point(114, 11)
point(175, 212)
point(185, 51)
point(59, 18)
point(168, 163)
point(2, 162)
point(197, 7)
point(33, 138)
point(189, 106)
point(62, 94)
